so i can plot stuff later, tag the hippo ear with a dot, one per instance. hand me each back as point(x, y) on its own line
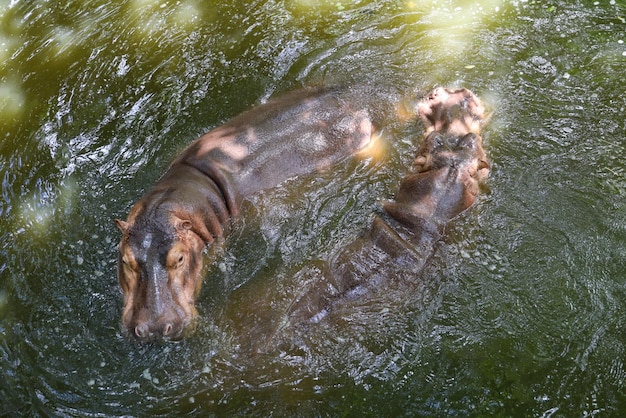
point(483, 164)
point(122, 225)
point(184, 224)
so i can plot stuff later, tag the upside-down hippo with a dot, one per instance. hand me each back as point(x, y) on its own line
point(449, 167)
point(163, 237)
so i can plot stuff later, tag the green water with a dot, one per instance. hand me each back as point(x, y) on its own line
point(521, 312)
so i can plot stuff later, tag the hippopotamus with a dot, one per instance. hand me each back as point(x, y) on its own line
point(448, 170)
point(191, 205)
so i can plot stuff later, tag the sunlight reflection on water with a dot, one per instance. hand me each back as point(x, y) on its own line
point(521, 308)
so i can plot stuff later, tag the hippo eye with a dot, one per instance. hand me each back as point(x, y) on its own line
point(178, 259)
point(129, 262)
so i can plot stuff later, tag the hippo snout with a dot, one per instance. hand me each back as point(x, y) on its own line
point(455, 112)
point(164, 328)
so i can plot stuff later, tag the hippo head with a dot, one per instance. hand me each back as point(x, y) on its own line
point(453, 112)
point(453, 146)
point(450, 163)
point(158, 270)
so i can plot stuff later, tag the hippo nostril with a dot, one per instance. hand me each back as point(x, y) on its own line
point(167, 329)
point(142, 331)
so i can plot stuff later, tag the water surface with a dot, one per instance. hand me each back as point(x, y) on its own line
point(521, 311)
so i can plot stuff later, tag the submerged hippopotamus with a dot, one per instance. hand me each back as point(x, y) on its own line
point(450, 165)
point(166, 231)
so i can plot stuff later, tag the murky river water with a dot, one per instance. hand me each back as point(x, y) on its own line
point(522, 311)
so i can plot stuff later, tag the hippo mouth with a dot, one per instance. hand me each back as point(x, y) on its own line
point(456, 112)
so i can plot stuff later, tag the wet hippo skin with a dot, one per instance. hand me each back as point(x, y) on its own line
point(448, 169)
point(166, 231)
